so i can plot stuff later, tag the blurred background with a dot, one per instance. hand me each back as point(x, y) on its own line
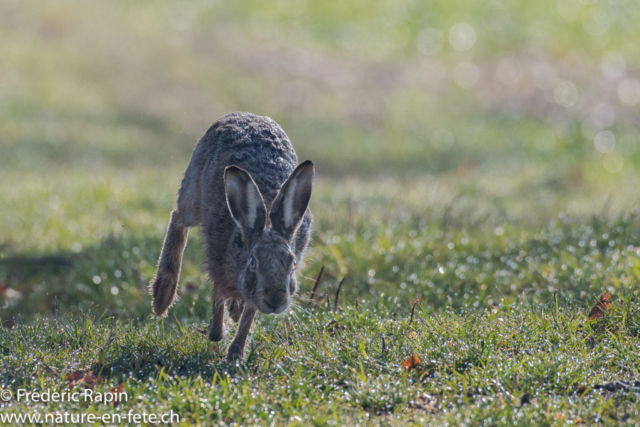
point(434, 126)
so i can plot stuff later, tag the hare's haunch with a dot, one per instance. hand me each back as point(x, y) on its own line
point(244, 187)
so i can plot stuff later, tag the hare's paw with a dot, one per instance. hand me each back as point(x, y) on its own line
point(235, 353)
point(163, 290)
point(216, 331)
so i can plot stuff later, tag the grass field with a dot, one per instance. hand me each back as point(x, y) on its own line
point(481, 159)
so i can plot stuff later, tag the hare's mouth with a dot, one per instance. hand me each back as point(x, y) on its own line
point(267, 308)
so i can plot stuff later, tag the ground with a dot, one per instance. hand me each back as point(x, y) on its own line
point(475, 201)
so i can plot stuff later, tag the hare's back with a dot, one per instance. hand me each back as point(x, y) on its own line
point(254, 143)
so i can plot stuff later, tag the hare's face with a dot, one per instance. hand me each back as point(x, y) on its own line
point(269, 277)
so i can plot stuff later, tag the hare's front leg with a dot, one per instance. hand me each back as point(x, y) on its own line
point(236, 349)
point(235, 308)
point(216, 326)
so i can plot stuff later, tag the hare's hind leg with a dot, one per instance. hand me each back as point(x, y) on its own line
point(163, 287)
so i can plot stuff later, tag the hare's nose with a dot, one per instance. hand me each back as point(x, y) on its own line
point(275, 298)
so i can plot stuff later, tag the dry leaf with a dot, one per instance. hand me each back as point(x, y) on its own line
point(78, 377)
point(116, 393)
point(412, 362)
point(599, 309)
point(74, 378)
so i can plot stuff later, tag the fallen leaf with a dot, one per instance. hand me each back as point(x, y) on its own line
point(75, 378)
point(412, 362)
point(116, 393)
point(79, 377)
point(599, 309)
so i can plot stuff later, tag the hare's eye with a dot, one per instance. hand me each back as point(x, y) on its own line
point(294, 264)
point(252, 263)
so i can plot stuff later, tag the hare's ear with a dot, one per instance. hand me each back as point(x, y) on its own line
point(289, 206)
point(245, 202)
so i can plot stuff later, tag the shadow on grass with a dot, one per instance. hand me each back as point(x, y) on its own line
point(108, 278)
point(462, 266)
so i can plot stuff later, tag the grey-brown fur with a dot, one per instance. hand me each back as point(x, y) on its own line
point(245, 189)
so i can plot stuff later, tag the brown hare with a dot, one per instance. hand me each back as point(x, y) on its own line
point(243, 188)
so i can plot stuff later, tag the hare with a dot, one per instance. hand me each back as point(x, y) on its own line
point(242, 187)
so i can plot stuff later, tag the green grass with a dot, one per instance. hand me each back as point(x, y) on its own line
point(92, 245)
point(324, 367)
point(504, 298)
point(503, 206)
